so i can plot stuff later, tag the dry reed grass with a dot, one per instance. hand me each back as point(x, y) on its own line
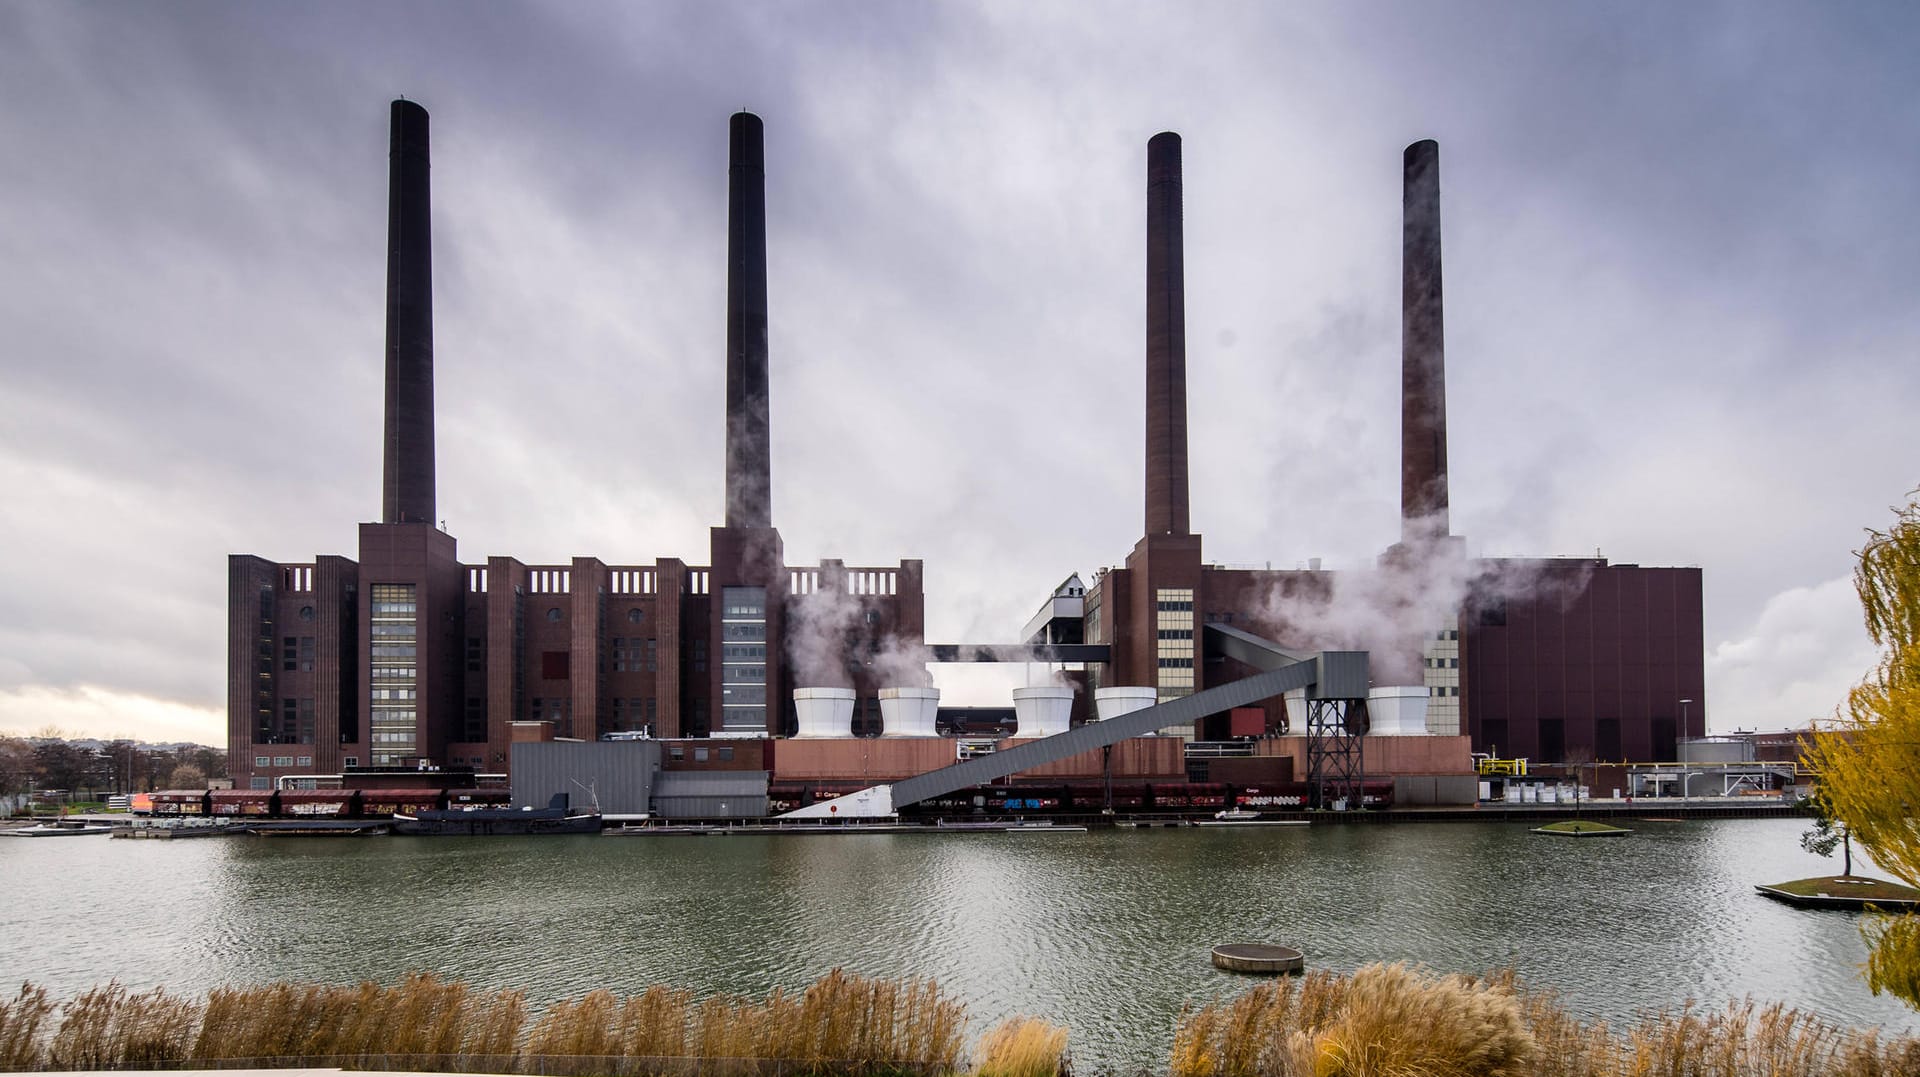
point(20, 1023)
point(841, 1024)
point(1390, 1020)
point(1023, 1047)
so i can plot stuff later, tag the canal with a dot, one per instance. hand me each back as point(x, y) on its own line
point(1106, 932)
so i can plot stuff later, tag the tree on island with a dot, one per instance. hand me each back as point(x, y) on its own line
point(1579, 760)
point(1827, 832)
point(1869, 761)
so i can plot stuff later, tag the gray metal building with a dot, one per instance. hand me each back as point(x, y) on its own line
point(714, 794)
point(617, 775)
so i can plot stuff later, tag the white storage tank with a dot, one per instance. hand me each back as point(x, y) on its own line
point(909, 712)
point(1042, 712)
point(824, 712)
point(1398, 711)
point(1296, 701)
point(1125, 699)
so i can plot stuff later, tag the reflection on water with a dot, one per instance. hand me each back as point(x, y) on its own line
point(1106, 932)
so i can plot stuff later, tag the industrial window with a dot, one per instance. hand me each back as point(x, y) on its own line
point(636, 615)
point(262, 760)
point(306, 654)
point(743, 687)
point(677, 752)
point(653, 656)
point(726, 754)
point(289, 654)
point(1174, 632)
point(282, 760)
point(351, 761)
point(303, 761)
point(394, 667)
point(476, 654)
point(699, 755)
point(306, 613)
point(700, 655)
point(553, 613)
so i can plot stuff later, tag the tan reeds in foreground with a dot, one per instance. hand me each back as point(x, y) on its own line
point(1391, 1020)
point(842, 1024)
point(1023, 1047)
point(20, 1024)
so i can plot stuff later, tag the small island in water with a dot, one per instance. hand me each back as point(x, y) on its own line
point(1845, 892)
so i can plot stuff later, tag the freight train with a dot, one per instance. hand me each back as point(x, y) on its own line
point(318, 803)
point(1197, 799)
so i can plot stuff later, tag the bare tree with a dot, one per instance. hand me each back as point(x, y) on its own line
point(187, 776)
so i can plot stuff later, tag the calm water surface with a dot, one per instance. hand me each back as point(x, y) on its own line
point(1107, 933)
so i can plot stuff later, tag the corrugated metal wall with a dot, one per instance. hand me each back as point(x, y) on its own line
point(620, 774)
point(686, 794)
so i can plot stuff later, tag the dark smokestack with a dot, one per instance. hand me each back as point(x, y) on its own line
point(1166, 342)
point(749, 481)
point(407, 467)
point(1423, 381)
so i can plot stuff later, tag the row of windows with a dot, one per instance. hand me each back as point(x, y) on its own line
point(1176, 633)
point(284, 761)
point(700, 755)
point(1443, 663)
point(297, 653)
point(636, 615)
point(1176, 663)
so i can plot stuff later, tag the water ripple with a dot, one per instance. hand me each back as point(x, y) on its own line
point(1107, 933)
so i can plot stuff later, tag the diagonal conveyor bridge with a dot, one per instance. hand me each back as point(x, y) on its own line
point(1329, 677)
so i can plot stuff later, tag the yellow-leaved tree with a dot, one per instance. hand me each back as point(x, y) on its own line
point(1869, 761)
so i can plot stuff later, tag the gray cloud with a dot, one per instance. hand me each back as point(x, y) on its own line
point(1678, 268)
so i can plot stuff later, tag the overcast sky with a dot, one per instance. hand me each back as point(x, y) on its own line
point(1680, 277)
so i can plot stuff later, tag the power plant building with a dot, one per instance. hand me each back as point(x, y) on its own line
point(405, 656)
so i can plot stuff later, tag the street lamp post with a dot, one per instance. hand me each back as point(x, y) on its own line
point(1680, 749)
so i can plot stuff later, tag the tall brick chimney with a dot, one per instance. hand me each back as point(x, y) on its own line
point(749, 480)
point(1423, 382)
point(407, 456)
point(1166, 342)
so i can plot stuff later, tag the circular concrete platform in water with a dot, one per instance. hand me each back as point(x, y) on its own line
point(1258, 957)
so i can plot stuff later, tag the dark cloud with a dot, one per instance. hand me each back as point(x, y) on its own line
point(1677, 274)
